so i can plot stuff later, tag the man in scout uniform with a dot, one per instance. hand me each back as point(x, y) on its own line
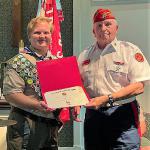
point(37, 126)
point(113, 72)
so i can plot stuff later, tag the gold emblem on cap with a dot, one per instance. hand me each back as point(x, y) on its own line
point(105, 15)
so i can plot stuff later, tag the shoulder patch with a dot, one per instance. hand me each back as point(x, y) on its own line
point(139, 57)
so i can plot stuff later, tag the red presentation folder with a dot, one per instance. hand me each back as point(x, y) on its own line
point(60, 82)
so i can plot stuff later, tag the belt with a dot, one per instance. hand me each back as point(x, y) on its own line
point(120, 102)
point(34, 117)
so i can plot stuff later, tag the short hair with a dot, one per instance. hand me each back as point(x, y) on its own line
point(31, 25)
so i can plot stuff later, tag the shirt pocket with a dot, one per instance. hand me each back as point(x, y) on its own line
point(118, 73)
point(87, 75)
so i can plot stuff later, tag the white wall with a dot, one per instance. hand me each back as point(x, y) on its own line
point(133, 17)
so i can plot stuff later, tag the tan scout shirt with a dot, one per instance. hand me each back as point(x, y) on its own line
point(14, 83)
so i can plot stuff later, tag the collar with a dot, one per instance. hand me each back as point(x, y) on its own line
point(31, 51)
point(113, 46)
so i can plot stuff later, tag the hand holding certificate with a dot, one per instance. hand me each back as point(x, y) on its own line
point(61, 84)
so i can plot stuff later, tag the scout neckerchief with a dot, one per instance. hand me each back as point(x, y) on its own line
point(32, 53)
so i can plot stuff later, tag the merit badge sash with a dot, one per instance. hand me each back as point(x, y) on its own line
point(25, 66)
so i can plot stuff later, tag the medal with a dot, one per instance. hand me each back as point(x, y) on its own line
point(23, 66)
point(23, 59)
point(29, 81)
point(26, 70)
point(34, 70)
point(18, 62)
point(27, 63)
point(18, 69)
point(30, 74)
point(117, 68)
point(14, 66)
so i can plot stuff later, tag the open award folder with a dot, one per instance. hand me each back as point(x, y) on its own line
point(60, 82)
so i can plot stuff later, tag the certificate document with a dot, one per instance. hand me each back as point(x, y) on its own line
point(60, 82)
point(67, 97)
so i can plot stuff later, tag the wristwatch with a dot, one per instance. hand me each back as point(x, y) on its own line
point(111, 100)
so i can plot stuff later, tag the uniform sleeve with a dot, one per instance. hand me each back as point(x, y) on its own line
point(12, 82)
point(139, 69)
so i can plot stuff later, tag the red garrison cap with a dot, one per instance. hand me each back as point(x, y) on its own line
point(102, 14)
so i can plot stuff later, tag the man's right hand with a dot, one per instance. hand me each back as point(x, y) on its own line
point(43, 107)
